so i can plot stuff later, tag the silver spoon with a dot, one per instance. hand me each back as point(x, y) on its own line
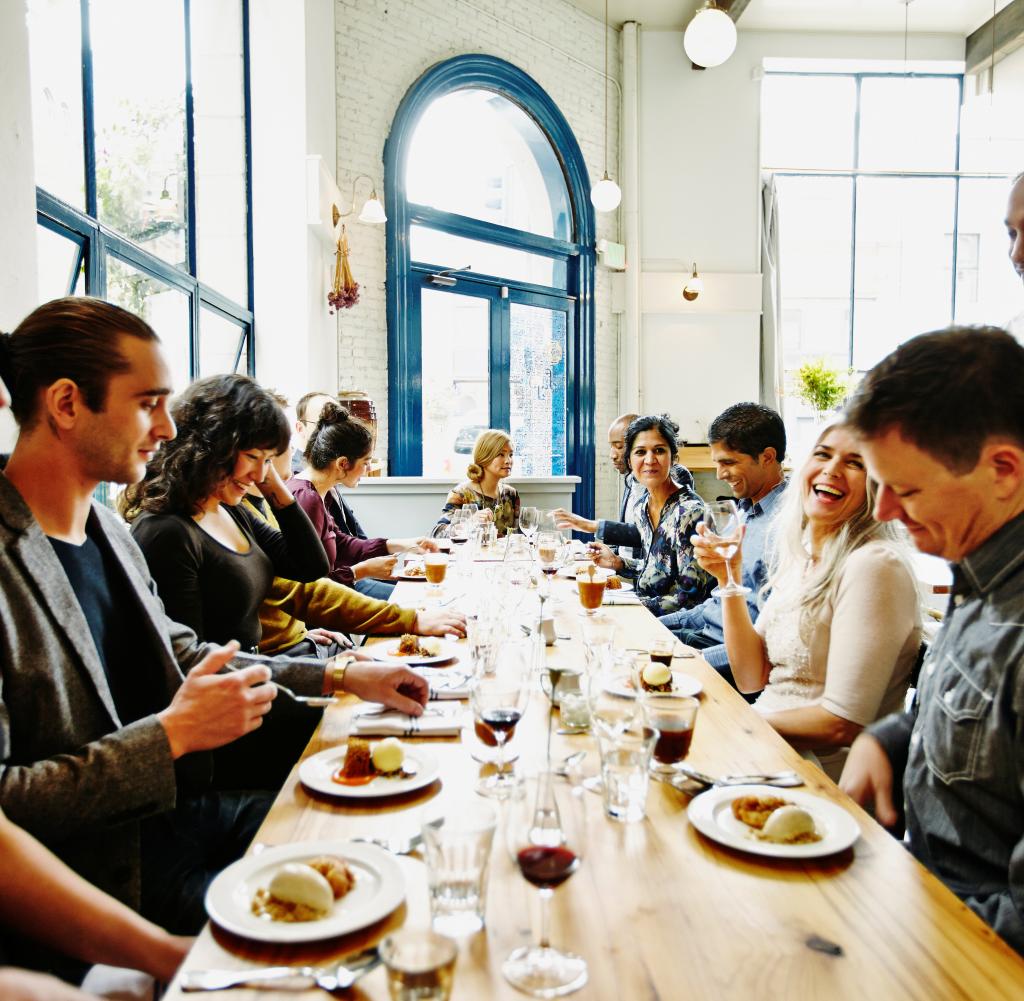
point(401, 845)
point(782, 779)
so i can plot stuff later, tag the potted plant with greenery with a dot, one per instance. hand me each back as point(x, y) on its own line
point(820, 386)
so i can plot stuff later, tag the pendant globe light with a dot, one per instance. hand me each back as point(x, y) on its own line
point(710, 38)
point(606, 194)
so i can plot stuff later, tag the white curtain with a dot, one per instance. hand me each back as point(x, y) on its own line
point(771, 298)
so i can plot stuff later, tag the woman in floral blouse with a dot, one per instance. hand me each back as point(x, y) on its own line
point(666, 576)
point(492, 463)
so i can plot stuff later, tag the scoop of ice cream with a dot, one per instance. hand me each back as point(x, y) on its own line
point(387, 755)
point(788, 823)
point(298, 884)
point(430, 646)
point(656, 674)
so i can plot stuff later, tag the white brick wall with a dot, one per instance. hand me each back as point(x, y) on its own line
point(383, 46)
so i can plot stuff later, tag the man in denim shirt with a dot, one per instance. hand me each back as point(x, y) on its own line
point(943, 425)
point(748, 443)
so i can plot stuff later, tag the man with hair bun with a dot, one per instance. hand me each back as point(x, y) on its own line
point(116, 782)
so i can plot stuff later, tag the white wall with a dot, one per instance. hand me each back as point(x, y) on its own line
point(17, 183)
point(383, 46)
point(700, 195)
point(293, 114)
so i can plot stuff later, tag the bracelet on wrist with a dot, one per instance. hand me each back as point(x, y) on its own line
point(339, 665)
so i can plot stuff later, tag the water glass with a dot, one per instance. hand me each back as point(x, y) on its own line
point(420, 965)
point(625, 759)
point(573, 704)
point(458, 856)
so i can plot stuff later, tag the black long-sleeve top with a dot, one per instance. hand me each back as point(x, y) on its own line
point(216, 591)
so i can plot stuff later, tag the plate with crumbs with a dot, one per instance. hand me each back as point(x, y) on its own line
point(712, 814)
point(419, 770)
point(379, 889)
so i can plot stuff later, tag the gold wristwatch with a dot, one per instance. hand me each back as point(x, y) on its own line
point(337, 667)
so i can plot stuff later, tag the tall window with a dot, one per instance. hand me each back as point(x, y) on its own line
point(882, 236)
point(140, 118)
point(490, 239)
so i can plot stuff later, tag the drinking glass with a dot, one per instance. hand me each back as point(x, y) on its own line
point(484, 635)
point(529, 518)
point(545, 836)
point(673, 717)
point(625, 761)
point(498, 701)
point(459, 527)
point(458, 855)
point(517, 550)
point(725, 521)
point(420, 965)
point(550, 551)
point(591, 589)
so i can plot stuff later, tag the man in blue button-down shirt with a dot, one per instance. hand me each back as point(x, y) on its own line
point(748, 443)
point(942, 420)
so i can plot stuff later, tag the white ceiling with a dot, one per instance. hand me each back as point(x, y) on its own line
point(957, 17)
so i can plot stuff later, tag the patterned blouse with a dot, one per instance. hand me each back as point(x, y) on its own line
point(666, 576)
point(505, 507)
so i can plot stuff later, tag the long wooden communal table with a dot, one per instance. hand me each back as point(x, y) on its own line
point(657, 910)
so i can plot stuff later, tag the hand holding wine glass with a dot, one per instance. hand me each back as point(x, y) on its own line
point(722, 533)
point(545, 835)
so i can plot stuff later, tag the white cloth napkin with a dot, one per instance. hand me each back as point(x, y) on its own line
point(436, 721)
point(620, 598)
point(446, 682)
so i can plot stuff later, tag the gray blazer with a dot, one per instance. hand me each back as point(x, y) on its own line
point(70, 773)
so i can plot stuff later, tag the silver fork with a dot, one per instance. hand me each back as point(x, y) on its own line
point(290, 978)
point(401, 845)
point(313, 701)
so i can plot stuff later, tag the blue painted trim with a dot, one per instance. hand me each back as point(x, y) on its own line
point(250, 349)
point(191, 241)
point(88, 114)
point(403, 313)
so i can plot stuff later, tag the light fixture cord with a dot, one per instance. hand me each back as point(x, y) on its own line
point(605, 86)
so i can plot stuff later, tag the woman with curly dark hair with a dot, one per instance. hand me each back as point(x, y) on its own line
point(213, 560)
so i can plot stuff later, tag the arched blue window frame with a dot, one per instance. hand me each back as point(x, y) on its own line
point(405, 431)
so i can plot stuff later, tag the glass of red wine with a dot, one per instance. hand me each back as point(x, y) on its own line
point(498, 701)
point(545, 835)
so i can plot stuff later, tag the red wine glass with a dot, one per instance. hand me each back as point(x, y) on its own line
point(545, 836)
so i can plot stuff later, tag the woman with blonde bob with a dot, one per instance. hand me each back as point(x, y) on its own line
point(492, 463)
point(837, 638)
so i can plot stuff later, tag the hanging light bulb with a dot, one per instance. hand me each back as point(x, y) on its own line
point(694, 286)
point(606, 194)
point(710, 38)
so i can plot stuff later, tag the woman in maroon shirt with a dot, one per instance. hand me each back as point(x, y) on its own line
point(337, 454)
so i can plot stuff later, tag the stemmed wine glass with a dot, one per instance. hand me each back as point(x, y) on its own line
point(549, 551)
point(545, 836)
point(725, 521)
point(459, 528)
point(529, 519)
point(498, 701)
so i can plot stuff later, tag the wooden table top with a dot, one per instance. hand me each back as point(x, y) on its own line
point(657, 910)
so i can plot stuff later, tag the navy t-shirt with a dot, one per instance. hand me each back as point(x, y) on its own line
point(115, 621)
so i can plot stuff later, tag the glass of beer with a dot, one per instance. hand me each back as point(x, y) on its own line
point(661, 650)
point(435, 566)
point(591, 588)
point(673, 716)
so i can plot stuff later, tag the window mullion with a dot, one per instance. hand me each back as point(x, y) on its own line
point(88, 115)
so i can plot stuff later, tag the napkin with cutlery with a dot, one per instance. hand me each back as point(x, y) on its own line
point(436, 721)
point(446, 682)
point(620, 598)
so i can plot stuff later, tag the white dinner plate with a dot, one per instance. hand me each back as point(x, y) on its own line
point(682, 684)
point(385, 652)
point(316, 771)
point(405, 575)
point(379, 889)
point(711, 814)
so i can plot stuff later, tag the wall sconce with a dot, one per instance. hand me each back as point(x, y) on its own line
point(373, 211)
point(694, 286)
point(710, 38)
